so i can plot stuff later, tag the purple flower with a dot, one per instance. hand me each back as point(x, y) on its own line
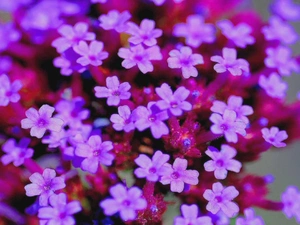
point(281, 59)
point(158, 2)
point(145, 34)
point(126, 201)
point(151, 117)
point(190, 216)
point(40, 121)
point(227, 125)
point(122, 121)
point(138, 55)
point(291, 202)
point(220, 199)
point(286, 9)
point(175, 103)
point(234, 103)
point(179, 175)
point(230, 62)
point(239, 34)
point(152, 169)
point(8, 34)
point(16, 153)
point(56, 139)
point(8, 90)
point(114, 91)
point(194, 36)
point(95, 152)
point(280, 30)
point(6, 63)
point(186, 60)
point(59, 212)
point(273, 85)
point(71, 36)
point(115, 20)
point(250, 218)
point(222, 161)
point(274, 136)
point(44, 185)
point(98, 1)
point(90, 54)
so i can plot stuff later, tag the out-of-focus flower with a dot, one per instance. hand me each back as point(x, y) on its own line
point(190, 216)
point(286, 9)
point(250, 218)
point(273, 85)
point(8, 90)
point(115, 20)
point(8, 34)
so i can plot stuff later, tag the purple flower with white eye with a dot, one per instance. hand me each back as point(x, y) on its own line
point(234, 103)
point(59, 211)
point(8, 90)
point(90, 54)
point(125, 201)
point(44, 185)
point(220, 199)
point(230, 62)
point(286, 9)
point(114, 91)
point(40, 121)
point(175, 103)
point(179, 175)
point(95, 152)
point(8, 34)
point(222, 161)
point(153, 169)
point(16, 153)
point(151, 117)
point(186, 60)
point(280, 30)
point(138, 55)
point(190, 216)
point(250, 218)
point(145, 34)
point(194, 36)
point(239, 34)
point(273, 85)
point(122, 121)
point(227, 125)
point(115, 20)
point(280, 58)
point(274, 136)
point(291, 202)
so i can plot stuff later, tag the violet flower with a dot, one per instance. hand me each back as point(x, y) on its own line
point(273, 85)
point(122, 121)
point(190, 216)
point(291, 202)
point(286, 9)
point(8, 90)
point(125, 201)
point(8, 34)
point(56, 139)
point(250, 218)
point(98, 1)
point(115, 20)
point(186, 60)
point(274, 136)
point(44, 185)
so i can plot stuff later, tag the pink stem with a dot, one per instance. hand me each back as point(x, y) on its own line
point(33, 166)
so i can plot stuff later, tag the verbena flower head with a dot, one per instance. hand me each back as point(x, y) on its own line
point(122, 120)
point(9, 90)
point(185, 60)
point(44, 185)
point(273, 85)
point(291, 202)
point(274, 136)
point(115, 20)
point(190, 216)
point(250, 218)
point(40, 121)
point(125, 201)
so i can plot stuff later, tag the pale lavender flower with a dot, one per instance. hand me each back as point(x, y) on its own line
point(286, 9)
point(220, 199)
point(250, 218)
point(145, 34)
point(40, 121)
point(59, 212)
point(186, 60)
point(274, 136)
point(16, 153)
point(190, 216)
point(280, 58)
point(8, 90)
point(175, 103)
point(227, 125)
point(125, 201)
point(239, 34)
point(114, 91)
point(194, 36)
point(8, 34)
point(230, 62)
point(138, 55)
point(153, 169)
point(179, 175)
point(94, 152)
point(151, 117)
point(123, 120)
point(44, 185)
point(273, 85)
point(222, 161)
point(280, 30)
point(291, 202)
point(115, 20)
point(90, 54)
